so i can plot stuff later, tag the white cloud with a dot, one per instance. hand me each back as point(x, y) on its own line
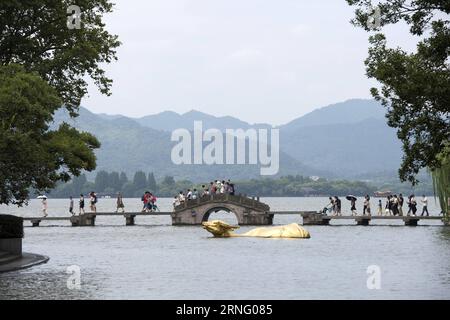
point(301, 30)
point(261, 61)
point(247, 55)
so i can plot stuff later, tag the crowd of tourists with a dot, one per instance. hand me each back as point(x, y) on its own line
point(93, 199)
point(393, 206)
point(149, 201)
point(214, 187)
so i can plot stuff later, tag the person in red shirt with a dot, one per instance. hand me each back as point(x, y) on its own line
point(145, 198)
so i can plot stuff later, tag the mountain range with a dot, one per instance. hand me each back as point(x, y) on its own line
point(344, 140)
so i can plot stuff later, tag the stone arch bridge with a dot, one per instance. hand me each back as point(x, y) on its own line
point(248, 211)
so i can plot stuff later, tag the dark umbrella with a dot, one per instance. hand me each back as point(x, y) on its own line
point(350, 197)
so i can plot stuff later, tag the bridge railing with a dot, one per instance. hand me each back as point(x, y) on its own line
point(237, 199)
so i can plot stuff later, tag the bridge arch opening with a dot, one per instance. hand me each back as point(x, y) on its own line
point(221, 213)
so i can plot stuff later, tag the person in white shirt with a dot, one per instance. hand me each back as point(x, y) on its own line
point(189, 194)
point(44, 206)
point(222, 187)
point(413, 204)
point(218, 186)
point(425, 205)
point(176, 202)
point(181, 197)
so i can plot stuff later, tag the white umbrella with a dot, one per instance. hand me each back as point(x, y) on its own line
point(42, 197)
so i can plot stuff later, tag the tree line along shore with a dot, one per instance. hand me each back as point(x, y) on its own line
point(110, 183)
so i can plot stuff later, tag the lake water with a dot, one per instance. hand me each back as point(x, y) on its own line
point(154, 260)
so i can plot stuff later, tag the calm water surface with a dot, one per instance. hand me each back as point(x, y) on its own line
point(154, 260)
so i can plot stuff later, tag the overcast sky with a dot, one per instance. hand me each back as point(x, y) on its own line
point(260, 61)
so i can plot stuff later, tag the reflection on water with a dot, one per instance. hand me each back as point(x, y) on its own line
point(155, 260)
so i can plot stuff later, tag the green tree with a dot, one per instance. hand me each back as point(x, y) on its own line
point(151, 182)
point(114, 181)
point(31, 155)
point(168, 181)
point(123, 179)
point(441, 185)
point(139, 180)
point(415, 87)
point(56, 62)
point(78, 184)
point(128, 189)
point(34, 33)
point(88, 187)
point(101, 181)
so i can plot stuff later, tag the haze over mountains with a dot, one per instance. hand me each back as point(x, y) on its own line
point(350, 139)
point(128, 146)
point(344, 140)
point(169, 121)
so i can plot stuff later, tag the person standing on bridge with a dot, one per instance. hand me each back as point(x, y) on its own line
point(400, 204)
point(338, 205)
point(409, 206)
point(424, 201)
point(181, 197)
point(119, 203)
point(147, 197)
point(366, 207)
point(176, 201)
point(413, 204)
point(144, 200)
point(229, 189)
point(353, 207)
point(203, 191)
point(226, 187)
point(71, 206)
point(218, 186)
point(352, 200)
point(331, 206)
point(189, 194)
point(44, 206)
point(81, 204)
point(394, 205)
point(388, 206)
point(232, 189)
point(194, 194)
point(212, 188)
point(93, 201)
point(153, 200)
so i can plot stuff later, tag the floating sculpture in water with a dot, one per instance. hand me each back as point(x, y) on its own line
point(223, 230)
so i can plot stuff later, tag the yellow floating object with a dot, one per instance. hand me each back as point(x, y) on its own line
point(224, 230)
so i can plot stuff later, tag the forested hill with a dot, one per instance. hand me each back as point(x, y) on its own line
point(345, 140)
point(130, 147)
